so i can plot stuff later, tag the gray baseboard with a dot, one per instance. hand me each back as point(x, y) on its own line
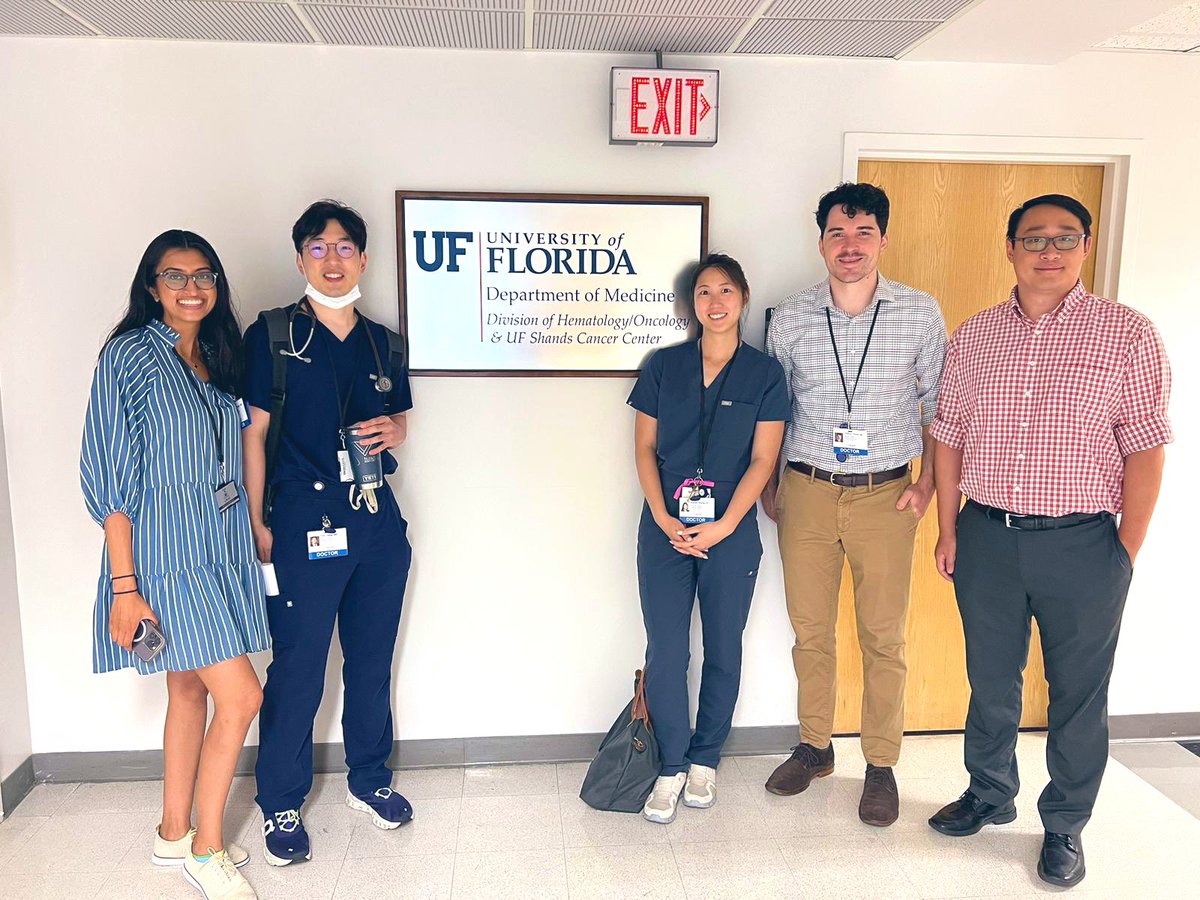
point(14, 788)
point(1155, 727)
point(143, 765)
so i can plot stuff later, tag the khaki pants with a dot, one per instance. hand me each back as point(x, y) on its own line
point(820, 525)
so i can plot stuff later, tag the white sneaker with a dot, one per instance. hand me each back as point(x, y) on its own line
point(217, 878)
point(173, 853)
point(663, 802)
point(700, 792)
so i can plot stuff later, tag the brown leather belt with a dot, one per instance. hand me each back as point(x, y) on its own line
point(866, 479)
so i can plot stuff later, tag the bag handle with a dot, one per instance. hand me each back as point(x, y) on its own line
point(640, 710)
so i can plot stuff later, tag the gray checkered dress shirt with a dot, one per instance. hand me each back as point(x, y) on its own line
point(898, 392)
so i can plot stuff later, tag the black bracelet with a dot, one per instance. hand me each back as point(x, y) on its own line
point(132, 591)
point(119, 577)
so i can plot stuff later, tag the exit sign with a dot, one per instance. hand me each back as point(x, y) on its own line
point(664, 106)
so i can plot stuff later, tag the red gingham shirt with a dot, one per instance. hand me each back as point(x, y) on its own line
point(1045, 412)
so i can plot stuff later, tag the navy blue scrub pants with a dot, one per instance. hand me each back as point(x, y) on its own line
point(669, 582)
point(1074, 581)
point(364, 592)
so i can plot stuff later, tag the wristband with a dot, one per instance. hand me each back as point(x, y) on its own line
point(132, 591)
point(119, 577)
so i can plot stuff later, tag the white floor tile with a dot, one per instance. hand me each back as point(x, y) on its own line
point(510, 823)
point(748, 870)
point(329, 787)
point(117, 797)
point(15, 832)
point(587, 827)
point(757, 769)
point(429, 784)
point(433, 829)
point(329, 828)
point(53, 887)
point(1154, 755)
point(423, 877)
point(858, 866)
point(946, 867)
point(826, 807)
point(735, 817)
point(310, 880)
point(44, 800)
point(94, 842)
point(623, 873)
point(570, 777)
point(145, 882)
point(510, 875)
point(510, 781)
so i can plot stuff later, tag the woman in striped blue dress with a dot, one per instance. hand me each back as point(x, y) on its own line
point(161, 440)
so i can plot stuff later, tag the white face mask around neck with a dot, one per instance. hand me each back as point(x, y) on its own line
point(332, 302)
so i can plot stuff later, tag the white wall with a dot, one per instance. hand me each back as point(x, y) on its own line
point(529, 623)
point(15, 740)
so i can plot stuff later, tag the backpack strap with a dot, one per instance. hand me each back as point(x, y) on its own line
point(397, 359)
point(278, 343)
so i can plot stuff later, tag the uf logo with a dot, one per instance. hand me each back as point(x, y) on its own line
point(441, 240)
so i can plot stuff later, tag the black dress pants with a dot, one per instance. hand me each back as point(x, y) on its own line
point(1074, 582)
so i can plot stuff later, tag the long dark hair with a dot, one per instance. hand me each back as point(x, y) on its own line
point(220, 332)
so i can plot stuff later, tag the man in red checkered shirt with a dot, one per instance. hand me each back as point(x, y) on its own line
point(1052, 420)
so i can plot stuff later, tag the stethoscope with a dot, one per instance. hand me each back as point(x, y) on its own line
point(383, 383)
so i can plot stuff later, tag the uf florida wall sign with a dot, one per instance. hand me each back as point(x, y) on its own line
point(543, 284)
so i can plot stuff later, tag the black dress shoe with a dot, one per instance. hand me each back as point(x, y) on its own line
point(968, 814)
point(1061, 861)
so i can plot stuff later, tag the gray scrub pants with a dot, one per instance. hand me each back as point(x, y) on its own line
point(1074, 581)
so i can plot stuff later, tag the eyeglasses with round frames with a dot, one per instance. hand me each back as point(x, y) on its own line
point(320, 249)
point(177, 281)
point(1039, 243)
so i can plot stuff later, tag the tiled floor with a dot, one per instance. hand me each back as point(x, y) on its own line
point(521, 831)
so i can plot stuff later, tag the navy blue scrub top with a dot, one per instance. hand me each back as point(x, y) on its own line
point(668, 390)
point(309, 443)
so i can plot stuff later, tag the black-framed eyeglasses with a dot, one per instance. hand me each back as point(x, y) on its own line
point(1039, 243)
point(320, 249)
point(177, 281)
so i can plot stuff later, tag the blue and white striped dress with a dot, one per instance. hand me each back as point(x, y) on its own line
point(148, 452)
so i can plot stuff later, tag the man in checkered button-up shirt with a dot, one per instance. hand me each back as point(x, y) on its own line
point(1052, 420)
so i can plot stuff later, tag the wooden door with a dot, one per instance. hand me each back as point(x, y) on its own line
point(946, 236)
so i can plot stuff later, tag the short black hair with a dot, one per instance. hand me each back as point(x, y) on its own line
point(853, 199)
point(312, 222)
point(1062, 201)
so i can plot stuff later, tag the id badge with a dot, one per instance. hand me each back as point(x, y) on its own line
point(243, 412)
point(324, 544)
point(345, 473)
point(697, 504)
point(227, 496)
point(849, 442)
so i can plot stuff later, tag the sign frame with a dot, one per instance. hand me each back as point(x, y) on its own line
point(519, 197)
point(649, 140)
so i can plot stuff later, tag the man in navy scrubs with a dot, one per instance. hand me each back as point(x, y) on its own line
point(336, 377)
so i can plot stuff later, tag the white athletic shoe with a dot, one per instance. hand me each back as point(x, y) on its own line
point(663, 802)
point(700, 792)
point(173, 853)
point(217, 878)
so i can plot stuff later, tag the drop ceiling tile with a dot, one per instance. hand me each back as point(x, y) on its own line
point(633, 34)
point(1182, 19)
point(875, 10)
point(1177, 42)
point(813, 38)
point(424, 4)
point(36, 17)
point(395, 27)
point(684, 8)
point(203, 20)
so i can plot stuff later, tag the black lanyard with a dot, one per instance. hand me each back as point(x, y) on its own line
point(342, 402)
point(850, 394)
point(706, 426)
point(213, 419)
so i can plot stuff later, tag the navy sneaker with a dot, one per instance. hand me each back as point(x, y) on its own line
point(284, 839)
point(387, 808)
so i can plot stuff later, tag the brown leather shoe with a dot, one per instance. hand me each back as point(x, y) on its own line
point(880, 803)
point(796, 774)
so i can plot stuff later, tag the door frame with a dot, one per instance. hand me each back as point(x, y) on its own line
point(1116, 220)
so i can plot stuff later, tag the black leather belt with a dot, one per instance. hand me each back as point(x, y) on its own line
point(859, 480)
point(1038, 523)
